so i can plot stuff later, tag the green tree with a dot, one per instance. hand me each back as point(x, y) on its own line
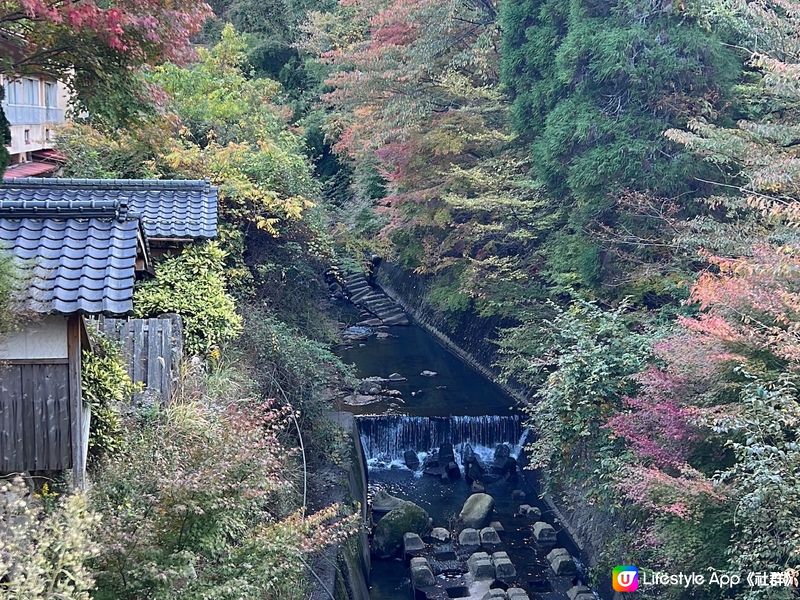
point(594, 86)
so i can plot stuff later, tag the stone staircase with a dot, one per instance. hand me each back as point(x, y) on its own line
point(373, 301)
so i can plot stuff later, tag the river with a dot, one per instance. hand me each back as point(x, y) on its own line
point(457, 405)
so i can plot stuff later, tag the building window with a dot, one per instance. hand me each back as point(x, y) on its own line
point(14, 92)
point(27, 136)
point(30, 92)
point(50, 94)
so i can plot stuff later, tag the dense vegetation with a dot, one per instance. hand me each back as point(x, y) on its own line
point(615, 184)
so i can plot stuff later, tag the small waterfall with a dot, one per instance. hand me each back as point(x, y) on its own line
point(386, 438)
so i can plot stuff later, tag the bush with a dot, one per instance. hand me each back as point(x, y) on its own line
point(105, 384)
point(44, 555)
point(193, 285)
point(201, 505)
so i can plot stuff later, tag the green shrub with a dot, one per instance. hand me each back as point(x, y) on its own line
point(193, 285)
point(105, 384)
point(44, 555)
point(201, 504)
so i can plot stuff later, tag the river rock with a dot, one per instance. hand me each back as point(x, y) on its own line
point(503, 567)
point(387, 540)
point(480, 566)
point(562, 563)
point(453, 472)
point(477, 487)
point(382, 335)
point(580, 592)
point(518, 495)
point(526, 510)
point(543, 533)
point(383, 502)
point(427, 373)
point(412, 544)
point(446, 454)
point(469, 537)
point(497, 526)
point(396, 377)
point(440, 534)
point(497, 594)
point(489, 537)
point(477, 510)
point(411, 459)
point(363, 399)
point(516, 593)
point(421, 573)
point(356, 333)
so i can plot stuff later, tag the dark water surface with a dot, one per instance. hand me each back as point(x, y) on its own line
point(457, 389)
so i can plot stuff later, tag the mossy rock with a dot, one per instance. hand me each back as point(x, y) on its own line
point(387, 540)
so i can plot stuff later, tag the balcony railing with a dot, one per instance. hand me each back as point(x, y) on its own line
point(28, 114)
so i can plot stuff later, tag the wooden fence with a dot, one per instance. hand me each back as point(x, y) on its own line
point(152, 349)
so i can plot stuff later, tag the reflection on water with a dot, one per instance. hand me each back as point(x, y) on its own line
point(456, 389)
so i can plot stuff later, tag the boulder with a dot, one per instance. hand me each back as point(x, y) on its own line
point(495, 595)
point(504, 568)
point(387, 539)
point(477, 487)
point(412, 544)
point(421, 573)
point(440, 534)
point(489, 537)
point(477, 510)
point(562, 563)
point(497, 526)
point(580, 592)
point(452, 470)
point(383, 502)
point(480, 566)
point(501, 453)
point(526, 510)
point(469, 537)
point(446, 454)
point(544, 533)
point(427, 373)
point(411, 459)
point(516, 593)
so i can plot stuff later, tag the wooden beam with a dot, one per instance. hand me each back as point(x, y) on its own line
point(76, 401)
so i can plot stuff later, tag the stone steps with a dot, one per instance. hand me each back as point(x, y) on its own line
point(373, 300)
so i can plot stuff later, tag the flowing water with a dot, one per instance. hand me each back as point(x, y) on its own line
point(457, 405)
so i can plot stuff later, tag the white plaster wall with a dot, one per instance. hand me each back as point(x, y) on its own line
point(41, 339)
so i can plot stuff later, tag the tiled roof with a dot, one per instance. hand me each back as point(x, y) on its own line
point(30, 169)
point(183, 209)
point(72, 256)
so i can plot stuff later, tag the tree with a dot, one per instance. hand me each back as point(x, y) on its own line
point(97, 46)
point(594, 86)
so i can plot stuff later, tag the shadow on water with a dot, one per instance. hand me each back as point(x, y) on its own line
point(460, 406)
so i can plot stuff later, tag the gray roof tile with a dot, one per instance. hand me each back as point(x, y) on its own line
point(70, 263)
point(168, 208)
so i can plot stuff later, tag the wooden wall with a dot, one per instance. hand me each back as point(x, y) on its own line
point(35, 417)
point(152, 349)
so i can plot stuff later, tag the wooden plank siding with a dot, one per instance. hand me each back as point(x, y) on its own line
point(35, 418)
point(152, 350)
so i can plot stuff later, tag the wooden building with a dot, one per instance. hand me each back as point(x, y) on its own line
point(78, 247)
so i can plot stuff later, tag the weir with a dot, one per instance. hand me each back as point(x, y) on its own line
point(386, 438)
